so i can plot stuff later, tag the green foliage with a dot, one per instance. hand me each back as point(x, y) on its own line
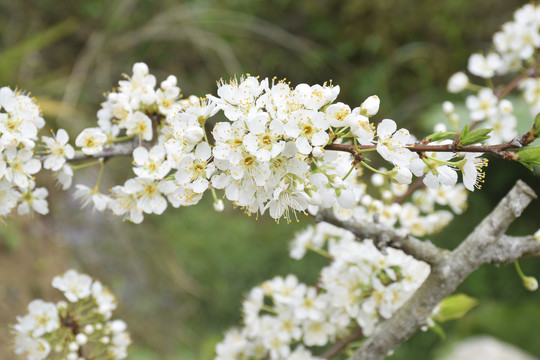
point(529, 156)
point(536, 126)
point(441, 135)
point(473, 137)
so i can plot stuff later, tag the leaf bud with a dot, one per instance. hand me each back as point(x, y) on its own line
point(454, 307)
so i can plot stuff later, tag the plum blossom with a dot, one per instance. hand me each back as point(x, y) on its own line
point(75, 286)
point(195, 170)
point(139, 124)
point(308, 128)
point(91, 140)
point(151, 164)
point(484, 66)
point(391, 144)
point(457, 82)
point(471, 167)
point(59, 150)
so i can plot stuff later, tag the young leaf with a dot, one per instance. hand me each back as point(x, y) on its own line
point(536, 127)
point(440, 135)
point(464, 132)
point(474, 136)
point(529, 156)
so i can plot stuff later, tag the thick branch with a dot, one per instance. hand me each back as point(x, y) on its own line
point(486, 244)
point(384, 236)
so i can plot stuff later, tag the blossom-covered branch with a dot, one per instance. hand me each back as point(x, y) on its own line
point(486, 244)
point(284, 150)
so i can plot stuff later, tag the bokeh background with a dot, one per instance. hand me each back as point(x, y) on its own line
point(179, 277)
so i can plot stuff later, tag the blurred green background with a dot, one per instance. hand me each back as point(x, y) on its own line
point(180, 277)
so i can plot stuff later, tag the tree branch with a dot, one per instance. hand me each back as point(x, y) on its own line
point(384, 236)
point(486, 244)
point(498, 150)
point(342, 344)
point(121, 149)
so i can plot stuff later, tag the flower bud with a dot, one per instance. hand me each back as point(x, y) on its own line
point(440, 127)
point(61, 305)
point(457, 82)
point(336, 182)
point(72, 356)
point(194, 135)
point(318, 152)
point(140, 68)
point(370, 106)
point(401, 175)
point(366, 200)
point(377, 179)
point(387, 195)
point(530, 283)
point(117, 326)
point(73, 346)
point(89, 329)
point(219, 206)
point(448, 107)
point(81, 339)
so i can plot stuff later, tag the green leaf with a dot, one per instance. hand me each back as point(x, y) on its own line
point(464, 132)
point(529, 156)
point(440, 135)
point(454, 307)
point(536, 127)
point(473, 137)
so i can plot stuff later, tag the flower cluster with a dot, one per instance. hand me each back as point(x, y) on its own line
point(286, 319)
point(283, 149)
point(20, 120)
point(276, 152)
point(513, 48)
point(79, 328)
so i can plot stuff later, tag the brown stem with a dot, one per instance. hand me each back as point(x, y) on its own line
point(497, 150)
point(531, 71)
point(342, 344)
point(417, 184)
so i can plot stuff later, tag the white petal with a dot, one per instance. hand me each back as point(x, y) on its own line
point(140, 155)
point(386, 128)
point(203, 151)
point(303, 146)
